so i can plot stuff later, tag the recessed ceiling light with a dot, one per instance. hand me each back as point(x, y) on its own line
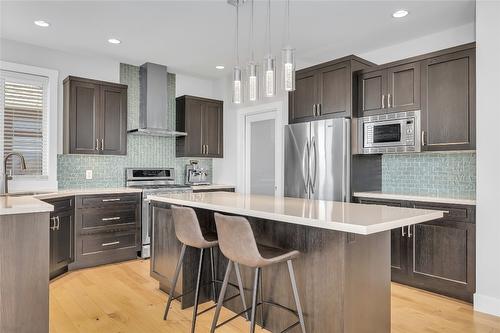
point(219, 67)
point(400, 13)
point(42, 23)
point(114, 41)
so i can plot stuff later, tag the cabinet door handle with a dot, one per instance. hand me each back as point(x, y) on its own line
point(314, 110)
point(383, 101)
point(319, 109)
point(403, 231)
point(110, 243)
point(102, 144)
point(115, 218)
point(112, 199)
point(96, 144)
point(409, 231)
point(52, 223)
point(206, 150)
point(389, 101)
point(422, 138)
point(58, 223)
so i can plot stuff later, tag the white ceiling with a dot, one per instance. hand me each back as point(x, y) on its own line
point(194, 36)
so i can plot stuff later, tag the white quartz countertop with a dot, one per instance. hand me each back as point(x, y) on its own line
point(23, 205)
point(421, 198)
point(211, 187)
point(87, 191)
point(332, 215)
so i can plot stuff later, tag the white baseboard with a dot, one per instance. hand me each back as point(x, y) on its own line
point(487, 304)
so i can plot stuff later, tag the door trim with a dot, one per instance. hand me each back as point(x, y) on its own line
point(277, 109)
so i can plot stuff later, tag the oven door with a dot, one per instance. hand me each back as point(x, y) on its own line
point(385, 134)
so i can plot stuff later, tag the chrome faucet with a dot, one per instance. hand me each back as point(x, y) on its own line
point(7, 176)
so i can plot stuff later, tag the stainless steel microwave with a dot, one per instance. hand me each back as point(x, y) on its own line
point(389, 133)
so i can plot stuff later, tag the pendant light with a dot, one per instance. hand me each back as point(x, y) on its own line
point(237, 88)
point(269, 61)
point(253, 81)
point(288, 56)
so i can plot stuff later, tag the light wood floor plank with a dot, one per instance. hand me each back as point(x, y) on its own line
point(124, 298)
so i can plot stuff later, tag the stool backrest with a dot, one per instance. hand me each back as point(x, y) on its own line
point(236, 240)
point(187, 226)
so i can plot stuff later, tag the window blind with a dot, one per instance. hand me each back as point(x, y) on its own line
point(24, 121)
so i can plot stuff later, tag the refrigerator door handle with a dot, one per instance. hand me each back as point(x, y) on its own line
point(346, 172)
point(313, 147)
point(305, 167)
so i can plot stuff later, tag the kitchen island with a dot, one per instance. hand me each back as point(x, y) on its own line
point(343, 273)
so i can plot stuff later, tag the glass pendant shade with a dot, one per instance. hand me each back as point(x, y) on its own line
point(269, 76)
point(237, 88)
point(253, 82)
point(288, 70)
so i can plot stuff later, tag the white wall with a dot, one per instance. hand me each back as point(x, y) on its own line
point(224, 169)
point(90, 66)
point(487, 297)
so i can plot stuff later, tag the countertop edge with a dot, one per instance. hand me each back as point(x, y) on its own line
point(309, 222)
point(393, 196)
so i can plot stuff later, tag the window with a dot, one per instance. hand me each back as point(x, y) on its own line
point(24, 122)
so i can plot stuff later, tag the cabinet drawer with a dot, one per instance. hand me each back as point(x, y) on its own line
point(106, 242)
point(108, 200)
point(454, 212)
point(95, 218)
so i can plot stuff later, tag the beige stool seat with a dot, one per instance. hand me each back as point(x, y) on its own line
point(273, 255)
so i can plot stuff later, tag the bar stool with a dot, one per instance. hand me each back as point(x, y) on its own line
point(188, 232)
point(237, 243)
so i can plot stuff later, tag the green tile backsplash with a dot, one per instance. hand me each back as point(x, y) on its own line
point(142, 151)
point(450, 174)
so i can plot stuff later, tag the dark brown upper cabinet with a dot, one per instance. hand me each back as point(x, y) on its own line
point(325, 90)
point(201, 119)
point(449, 102)
point(392, 89)
point(95, 117)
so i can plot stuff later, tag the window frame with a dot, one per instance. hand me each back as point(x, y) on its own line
point(49, 181)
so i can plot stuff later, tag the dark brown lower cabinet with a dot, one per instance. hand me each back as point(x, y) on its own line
point(439, 255)
point(62, 235)
point(107, 228)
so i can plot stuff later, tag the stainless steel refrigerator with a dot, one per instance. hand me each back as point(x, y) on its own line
point(317, 159)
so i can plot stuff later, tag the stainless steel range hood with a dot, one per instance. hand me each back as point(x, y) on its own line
point(153, 117)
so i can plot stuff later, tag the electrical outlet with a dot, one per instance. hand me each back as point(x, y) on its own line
point(88, 174)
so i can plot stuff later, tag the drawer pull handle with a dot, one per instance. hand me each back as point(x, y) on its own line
point(111, 243)
point(109, 200)
point(110, 218)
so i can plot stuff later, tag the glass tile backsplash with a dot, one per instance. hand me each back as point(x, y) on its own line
point(449, 174)
point(142, 151)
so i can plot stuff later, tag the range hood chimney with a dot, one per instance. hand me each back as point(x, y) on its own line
point(153, 117)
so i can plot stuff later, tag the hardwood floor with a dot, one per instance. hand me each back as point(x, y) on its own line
point(123, 298)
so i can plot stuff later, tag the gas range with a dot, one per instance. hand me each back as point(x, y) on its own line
point(152, 181)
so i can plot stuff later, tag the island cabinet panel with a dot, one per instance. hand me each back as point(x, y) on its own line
point(62, 235)
point(326, 90)
point(202, 120)
point(107, 228)
point(24, 273)
point(95, 117)
point(448, 102)
point(439, 255)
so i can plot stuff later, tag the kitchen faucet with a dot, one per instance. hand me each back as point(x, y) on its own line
point(9, 177)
